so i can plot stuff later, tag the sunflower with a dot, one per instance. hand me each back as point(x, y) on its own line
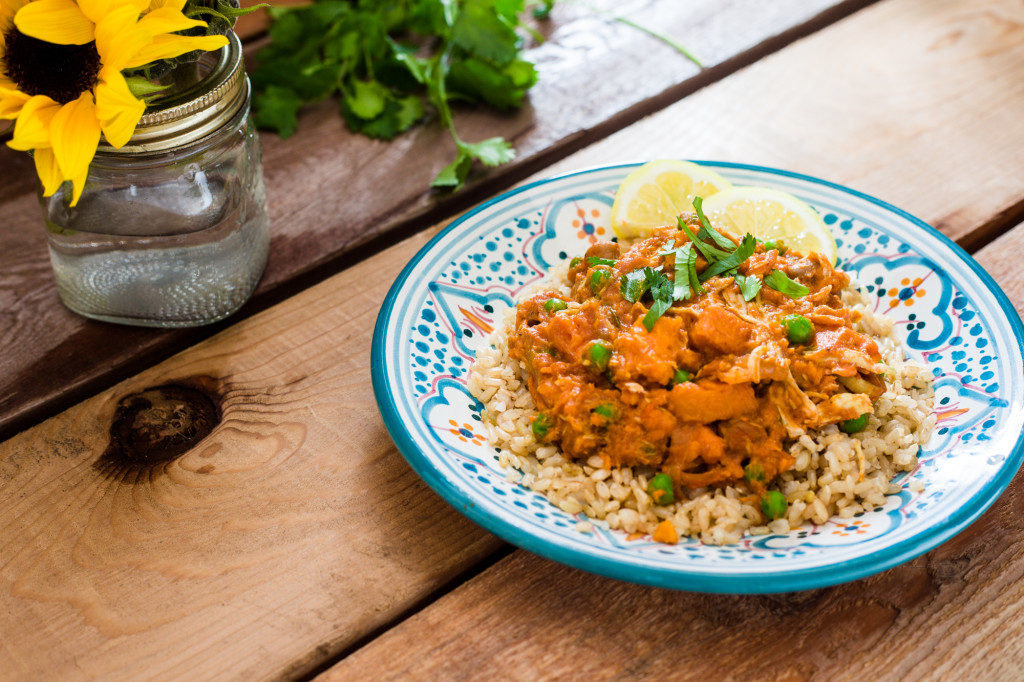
point(61, 80)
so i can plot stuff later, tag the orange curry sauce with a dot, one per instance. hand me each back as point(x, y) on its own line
point(749, 387)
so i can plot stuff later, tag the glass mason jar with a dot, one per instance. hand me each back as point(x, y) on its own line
point(171, 229)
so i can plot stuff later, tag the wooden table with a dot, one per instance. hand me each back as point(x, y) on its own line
point(295, 542)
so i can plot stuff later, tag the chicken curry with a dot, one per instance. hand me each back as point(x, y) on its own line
point(695, 354)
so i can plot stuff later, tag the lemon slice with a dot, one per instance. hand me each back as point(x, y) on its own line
point(770, 214)
point(656, 193)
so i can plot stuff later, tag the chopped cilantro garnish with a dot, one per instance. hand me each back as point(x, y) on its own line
point(749, 286)
point(634, 285)
point(735, 259)
point(655, 313)
point(691, 267)
point(780, 281)
point(592, 261)
point(711, 253)
point(681, 290)
point(706, 230)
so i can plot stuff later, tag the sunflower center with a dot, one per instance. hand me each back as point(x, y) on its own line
point(62, 72)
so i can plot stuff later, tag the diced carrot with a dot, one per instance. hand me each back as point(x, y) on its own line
point(666, 533)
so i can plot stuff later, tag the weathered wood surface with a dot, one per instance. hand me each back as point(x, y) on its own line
point(287, 535)
point(330, 191)
point(953, 613)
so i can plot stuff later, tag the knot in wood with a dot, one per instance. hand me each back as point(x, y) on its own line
point(160, 423)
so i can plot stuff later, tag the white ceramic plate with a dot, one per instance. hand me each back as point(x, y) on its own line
point(950, 313)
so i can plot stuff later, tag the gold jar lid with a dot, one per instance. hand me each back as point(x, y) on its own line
point(195, 111)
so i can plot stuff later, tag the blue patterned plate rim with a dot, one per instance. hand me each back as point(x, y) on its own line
point(486, 512)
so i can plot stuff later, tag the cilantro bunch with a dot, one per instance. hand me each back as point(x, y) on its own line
point(387, 60)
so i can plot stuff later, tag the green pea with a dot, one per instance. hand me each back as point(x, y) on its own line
point(660, 489)
point(774, 504)
point(597, 355)
point(854, 425)
point(598, 279)
point(541, 425)
point(777, 245)
point(681, 376)
point(798, 329)
point(553, 305)
point(753, 472)
point(575, 261)
point(607, 411)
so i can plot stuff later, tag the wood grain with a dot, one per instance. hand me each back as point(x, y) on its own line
point(330, 191)
point(896, 92)
point(954, 613)
point(289, 533)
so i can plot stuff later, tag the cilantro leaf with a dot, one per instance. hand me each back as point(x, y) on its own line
point(367, 99)
point(661, 288)
point(681, 291)
point(706, 231)
point(634, 285)
point(691, 267)
point(780, 281)
point(592, 260)
point(654, 314)
point(733, 260)
point(749, 286)
point(277, 108)
point(710, 253)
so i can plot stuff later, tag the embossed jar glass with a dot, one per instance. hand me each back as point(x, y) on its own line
point(171, 229)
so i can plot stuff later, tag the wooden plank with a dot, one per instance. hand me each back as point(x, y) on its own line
point(330, 191)
point(899, 90)
point(291, 532)
point(952, 613)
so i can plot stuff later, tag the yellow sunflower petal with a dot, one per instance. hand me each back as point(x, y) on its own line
point(32, 130)
point(172, 4)
point(118, 110)
point(55, 21)
point(11, 101)
point(98, 9)
point(166, 46)
point(8, 8)
point(77, 185)
point(119, 38)
point(48, 171)
point(75, 132)
point(167, 20)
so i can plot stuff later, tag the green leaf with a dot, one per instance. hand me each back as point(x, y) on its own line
point(749, 286)
point(277, 109)
point(455, 173)
point(735, 259)
point(710, 253)
point(634, 285)
point(691, 267)
point(780, 281)
point(706, 231)
point(501, 87)
point(482, 29)
point(681, 259)
point(654, 314)
point(490, 152)
point(141, 87)
point(593, 260)
point(367, 99)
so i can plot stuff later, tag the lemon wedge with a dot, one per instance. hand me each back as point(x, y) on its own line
point(656, 193)
point(770, 214)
